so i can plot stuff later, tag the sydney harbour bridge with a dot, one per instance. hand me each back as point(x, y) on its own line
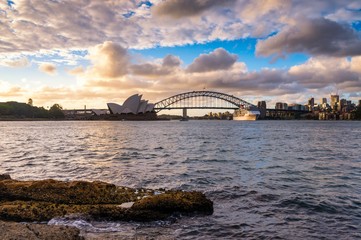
point(217, 100)
point(201, 100)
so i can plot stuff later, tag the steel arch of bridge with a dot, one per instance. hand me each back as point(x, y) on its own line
point(168, 102)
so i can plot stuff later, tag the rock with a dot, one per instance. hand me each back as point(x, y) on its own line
point(47, 199)
point(37, 232)
point(126, 205)
point(176, 201)
point(4, 176)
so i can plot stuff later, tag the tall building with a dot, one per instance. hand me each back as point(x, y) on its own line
point(311, 104)
point(342, 104)
point(262, 107)
point(297, 107)
point(359, 103)
point(323, 100)
point(281, 106)
point(334, 100)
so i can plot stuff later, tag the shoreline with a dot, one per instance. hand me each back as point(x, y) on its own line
point(155, 120)
point(26, 205)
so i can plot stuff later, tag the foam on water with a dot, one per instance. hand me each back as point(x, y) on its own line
point(95, 227)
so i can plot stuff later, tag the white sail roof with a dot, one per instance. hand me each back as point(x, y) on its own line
point(133, 104)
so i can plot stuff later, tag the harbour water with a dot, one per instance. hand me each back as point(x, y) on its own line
point(267, 179)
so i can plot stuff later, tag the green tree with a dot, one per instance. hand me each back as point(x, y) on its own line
point(56, 111)
point(40, 112)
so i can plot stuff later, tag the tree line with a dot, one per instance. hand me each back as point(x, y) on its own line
point(23, 110)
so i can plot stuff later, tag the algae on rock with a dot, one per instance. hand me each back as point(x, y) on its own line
point(46, 199)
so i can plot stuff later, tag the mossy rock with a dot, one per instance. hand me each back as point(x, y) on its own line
point(37, 231)
point(77, 192)
point(47, 199)
point(176, 201)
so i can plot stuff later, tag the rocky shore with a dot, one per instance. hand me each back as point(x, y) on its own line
point(40, 201)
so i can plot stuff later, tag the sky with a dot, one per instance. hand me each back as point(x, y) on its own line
point(82, 52)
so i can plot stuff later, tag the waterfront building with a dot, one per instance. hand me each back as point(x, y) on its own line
point(262, 107)
point(311, 104)
point(297, 107)
point(281, 106)
point(262, 104)
point(132, 105)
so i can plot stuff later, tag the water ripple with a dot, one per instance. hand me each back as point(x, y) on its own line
point(268, 179)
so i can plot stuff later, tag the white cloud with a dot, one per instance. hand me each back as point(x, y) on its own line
point(217, 60)
point(187, 8)
point(109, 60)
point(51, 25)
point(15, 62)
point(314, 36)
point(347, 15)
point(324, 73)
point(48, 68)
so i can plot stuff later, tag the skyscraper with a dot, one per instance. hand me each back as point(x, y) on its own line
point(281, 106)
point(262, 107)
point(334, 100)
point(311, 104)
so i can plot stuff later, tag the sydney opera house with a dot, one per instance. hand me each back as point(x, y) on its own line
point(133, 108)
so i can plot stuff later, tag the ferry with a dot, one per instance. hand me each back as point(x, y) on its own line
point(244, 114)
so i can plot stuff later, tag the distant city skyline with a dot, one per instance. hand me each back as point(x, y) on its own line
point(79, 52)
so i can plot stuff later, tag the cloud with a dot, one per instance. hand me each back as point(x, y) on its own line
point(76, 71)
point(260, 9)
point(109, 60)
point(171, 61)
point(356, 64)
point(187, 8)
point(324, 72)
point(169, 64)
point(8, 90)
point(220, 71)
point(313, 36)
point(217, 60)
point(347, 15)
point(15, 62)
point(48, 68)
point(149, 69)
point(49, 25)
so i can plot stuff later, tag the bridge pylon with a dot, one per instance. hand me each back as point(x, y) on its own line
point(185, 113)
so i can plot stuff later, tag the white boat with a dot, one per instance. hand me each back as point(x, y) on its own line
point(244, 114)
